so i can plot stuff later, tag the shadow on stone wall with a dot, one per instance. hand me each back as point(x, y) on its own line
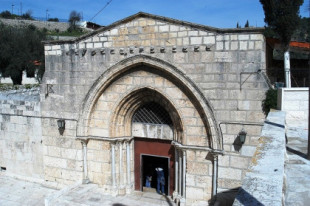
point(225, 198)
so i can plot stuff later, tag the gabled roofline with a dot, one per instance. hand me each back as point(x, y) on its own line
point(161, 18)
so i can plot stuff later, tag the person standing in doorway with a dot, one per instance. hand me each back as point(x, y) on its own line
point(148, 181)
point(160, 180)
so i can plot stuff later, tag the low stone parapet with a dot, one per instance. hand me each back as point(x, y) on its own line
point(294, 101)
point(263, 183)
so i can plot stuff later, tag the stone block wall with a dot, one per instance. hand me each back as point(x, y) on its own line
point(21, 144)
point(198, 177)
point(61, 26)
point(294, 101)
point(99, 162)
point(62, 153)
point(25, 79)
point(225, 65)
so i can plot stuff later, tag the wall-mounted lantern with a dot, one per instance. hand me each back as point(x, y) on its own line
point(61, 124)
point(242, 136)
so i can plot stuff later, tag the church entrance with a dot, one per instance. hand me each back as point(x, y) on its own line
point(150, 154)
point(148, 171)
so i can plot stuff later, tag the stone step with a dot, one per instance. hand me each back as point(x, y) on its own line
point(92, 195)
point(149, 189)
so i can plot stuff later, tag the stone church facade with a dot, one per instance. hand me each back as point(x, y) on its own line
point(151, 91)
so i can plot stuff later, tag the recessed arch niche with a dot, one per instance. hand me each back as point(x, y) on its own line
point(121, 122)
point(162, 69)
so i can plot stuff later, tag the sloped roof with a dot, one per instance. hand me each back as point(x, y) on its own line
point(161, 18)
point(295, 44)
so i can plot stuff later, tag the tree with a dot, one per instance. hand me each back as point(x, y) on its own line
point(247, 24)
point(53, 19)
point(20, 48)
point(283, 17)
point(73, 19)
point(5, 14)
point(27, 15)
point(238, 26)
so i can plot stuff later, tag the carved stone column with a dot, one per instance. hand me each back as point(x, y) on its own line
point(176, 175)
point(128, 162)
point(85, 169)
point(214, 180)
point(113, 165)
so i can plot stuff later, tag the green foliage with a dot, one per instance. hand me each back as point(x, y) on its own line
point(270, 101)
point(247, 24)
point(301, 34)
point(27, 15)
point(69, 32)
point(28, 86)
point(7, 15)
point(20, 48)
point(53, 19)
point(283, 17)
point(74, 18)
point(6, 87)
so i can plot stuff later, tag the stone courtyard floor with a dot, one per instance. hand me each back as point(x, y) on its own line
point(297, 167)
point(91, 194)
point(14, 192)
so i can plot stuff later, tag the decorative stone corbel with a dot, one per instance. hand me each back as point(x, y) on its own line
point(208, 47)
point(162, 49)
point(112, 51)
point(84, 52)
point(184, 49)
point(174, 49)
point(152, 50)
point(93, 53)
point(196, 48)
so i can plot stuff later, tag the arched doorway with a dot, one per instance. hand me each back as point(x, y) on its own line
point(108, 113)
point(152, 128)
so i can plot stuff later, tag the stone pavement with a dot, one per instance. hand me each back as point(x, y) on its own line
point(15, 192)
point(297, 167)
point(91, 194)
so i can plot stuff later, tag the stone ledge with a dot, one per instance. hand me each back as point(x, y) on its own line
point(263, 182)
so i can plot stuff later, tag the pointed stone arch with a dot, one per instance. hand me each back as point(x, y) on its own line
point(121, 121)
point(166, 69)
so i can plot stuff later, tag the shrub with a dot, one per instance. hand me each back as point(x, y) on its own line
point(270, 102)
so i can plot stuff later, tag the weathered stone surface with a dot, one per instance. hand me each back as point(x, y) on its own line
point(97, 82)
point(263, 183)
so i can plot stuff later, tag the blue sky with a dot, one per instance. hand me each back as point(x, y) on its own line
point(216, 13)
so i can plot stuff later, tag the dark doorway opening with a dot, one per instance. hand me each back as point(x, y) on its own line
point(148, 165)
point(155, 148)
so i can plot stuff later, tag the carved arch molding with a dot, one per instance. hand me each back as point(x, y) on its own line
point(148, 79)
